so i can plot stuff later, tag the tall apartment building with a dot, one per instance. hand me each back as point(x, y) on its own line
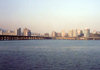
point(19, 32)
point(26, 32)
point(86, 32)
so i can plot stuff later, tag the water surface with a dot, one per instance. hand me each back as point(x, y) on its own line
point(50, 55)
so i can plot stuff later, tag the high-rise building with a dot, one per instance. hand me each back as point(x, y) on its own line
point(54, 34)
point(19, 32)
point(86, 32)
point(26, 32)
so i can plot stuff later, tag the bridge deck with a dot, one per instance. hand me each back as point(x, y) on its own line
point(10, 37)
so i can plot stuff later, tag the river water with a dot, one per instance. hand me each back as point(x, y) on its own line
point(50, 55)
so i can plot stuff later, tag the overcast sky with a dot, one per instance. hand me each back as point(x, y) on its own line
point(50, 15)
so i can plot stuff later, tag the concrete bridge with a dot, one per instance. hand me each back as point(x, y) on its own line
point(11, 37)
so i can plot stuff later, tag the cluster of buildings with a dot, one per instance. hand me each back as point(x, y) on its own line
point(18, 32)
point(71, 33)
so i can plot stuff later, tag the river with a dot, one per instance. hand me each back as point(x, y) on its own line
point(50, 55)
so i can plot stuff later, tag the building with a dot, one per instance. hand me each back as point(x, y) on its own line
point(0, 32)
point(75, 34)
point(98, 32)
point(54, 34)
point(63, 34)
point(26, 32)
point(86, 32)
point(80, 33)
point(46, 34)
point(70, 33)
point(58, 34)
point(19, 32)
point(8, 32)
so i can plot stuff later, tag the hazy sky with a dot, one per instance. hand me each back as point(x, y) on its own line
point(50, 15)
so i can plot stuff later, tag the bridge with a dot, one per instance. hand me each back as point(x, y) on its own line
point(12, 37)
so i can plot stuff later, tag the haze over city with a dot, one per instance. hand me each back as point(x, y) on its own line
point(50, 15)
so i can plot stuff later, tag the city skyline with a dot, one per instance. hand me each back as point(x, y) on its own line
point(21, 30)
point(50, 15)
point(23, 34)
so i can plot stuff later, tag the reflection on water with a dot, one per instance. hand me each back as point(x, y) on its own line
point(49, 55)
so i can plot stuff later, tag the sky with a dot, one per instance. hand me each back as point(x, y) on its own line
point(50, 15)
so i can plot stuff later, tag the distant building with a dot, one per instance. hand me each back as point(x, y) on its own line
point(26, 32)
point(37, 34)
point(97, 32)
point(80, 33)
point(94, 32)
point(58, 34)
point(54, 34)
point(8, 32)
point(63, 34)
point(46, 34)
point(86, 32)
point(70, 33)
point(0, 32)
point(75, 34)
point(19, 32)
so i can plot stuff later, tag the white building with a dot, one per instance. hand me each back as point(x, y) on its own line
point(86, 32)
